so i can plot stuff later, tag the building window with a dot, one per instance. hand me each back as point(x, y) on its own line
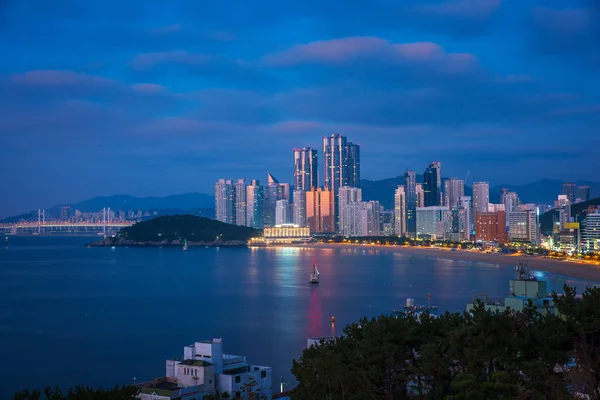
point(237, 379)
point(263, 374)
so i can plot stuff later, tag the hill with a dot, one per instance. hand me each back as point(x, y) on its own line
point(189, 227)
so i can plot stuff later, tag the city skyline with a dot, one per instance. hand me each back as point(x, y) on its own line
point(172, 96)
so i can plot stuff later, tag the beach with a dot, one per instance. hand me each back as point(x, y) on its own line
point(580, 270)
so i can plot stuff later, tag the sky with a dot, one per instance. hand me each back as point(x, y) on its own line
point(153, 98)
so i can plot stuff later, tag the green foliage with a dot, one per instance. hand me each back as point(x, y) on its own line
point(80, 393)
point(189, 227)
point(482, 355)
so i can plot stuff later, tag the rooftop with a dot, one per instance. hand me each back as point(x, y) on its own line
point(196, 363)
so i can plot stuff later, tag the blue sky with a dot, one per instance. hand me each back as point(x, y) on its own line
point(162, 97)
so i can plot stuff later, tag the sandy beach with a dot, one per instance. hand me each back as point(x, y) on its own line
point(588, 272)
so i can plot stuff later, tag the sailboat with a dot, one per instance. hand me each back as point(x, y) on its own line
point(185, 246)
point(313, 277)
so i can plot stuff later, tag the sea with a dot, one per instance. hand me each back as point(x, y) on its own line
point(73, 315)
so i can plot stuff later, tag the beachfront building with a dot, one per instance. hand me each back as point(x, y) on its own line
point(206, 370)
point(433, 222)
point(287, 233)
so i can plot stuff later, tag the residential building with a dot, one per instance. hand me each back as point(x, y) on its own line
point(299, 208)
point(287, 233)
point(420, 195)
point(275, 191)
point(523, 226)
point(591, 232)
point(454, 189)
point(410, 190)
point(569, 189)
point(432, 185)
point(400, 211)
point(371, 218)
point(347, 195)
point(465, 203)
point(491, 227)
point(225, 209)
point(495, 207)
point(255, 205)
point(65, 213)
point(459, 228)
point(583, 193)
point(353, 165)
point(510, 200)
point(481, 197)
point(306, 169)
point(320, 210)
point(562, 201)
point(283, 214)
point(241, 207)
point(204, 370)
point(433, 222)
point(387, 222)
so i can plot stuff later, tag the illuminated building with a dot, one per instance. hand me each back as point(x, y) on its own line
point(419, 195)
point(481, 197)
point(523, 226)
point(491, 227)
point(319, 210)
point(400, 211)
point(510, 200)
point(591, 232)
point(283, 215)
point(568, 189)
point(299, 208)
point(255, 205)
point(353, 165)
point(410, 191)
point(241, 208)
point(287, 233)
point(432, 185)
point(225, 201)
point(454, 189)
point(306, 169)
point(347, 195)
point(433, 222)
point(465, 203)
point(583, 193)
point(274, 191)
point(65, 213)
point(387, 222)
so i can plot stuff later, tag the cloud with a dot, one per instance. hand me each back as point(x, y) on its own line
point(57, 78)
point(149, 88)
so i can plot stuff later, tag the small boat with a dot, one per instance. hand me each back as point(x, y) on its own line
point(313, 277)
point(185, 246)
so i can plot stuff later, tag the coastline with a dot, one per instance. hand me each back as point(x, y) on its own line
point(165, 244)
point(589, 272)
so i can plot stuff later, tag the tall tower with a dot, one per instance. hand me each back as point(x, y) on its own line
point(454, 189)
point(255, 205)
point(347, 196)
point(481, 197)
point(225, 201)
point(353, 165)
point(400, 211)
point(306, 172)
point(568, 189)
point(410, 190)
point(432, 184)
point(240, 203)
point(275, 191)
point(583, 193)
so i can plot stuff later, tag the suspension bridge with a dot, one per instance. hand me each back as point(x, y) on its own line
point(104, 221)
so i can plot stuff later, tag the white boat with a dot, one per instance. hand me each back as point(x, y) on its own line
point(313, 277)
point(185, 246)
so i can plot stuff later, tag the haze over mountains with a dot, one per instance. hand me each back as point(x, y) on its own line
point(540, 192)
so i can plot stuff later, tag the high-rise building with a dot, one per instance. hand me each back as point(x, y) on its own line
point(481, 197)
point(371, 216)
point(583, 193)
point(306, 170)
point(241, 207)
point(432, 185)
point(319, 210)
point(387, 222)
point(346, 196)
point(275, 191)
point(255, 205)
point(454, 189)
point(400, 211)
point(420, 195)
point(410, 190)
point(225, 210)
point(338, 168)
point(65, 213)
point(433, 222)
point(510, 200)
point(299, 208)
point(353, 165)
point(282, 212)
point(523, 226)
point(568, 189)
point(491, 227)
point(591, 232)
point(465, 203)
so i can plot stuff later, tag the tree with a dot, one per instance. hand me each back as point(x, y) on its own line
point(80, 393)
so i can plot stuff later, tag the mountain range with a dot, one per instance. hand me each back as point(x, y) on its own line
point(540, 192)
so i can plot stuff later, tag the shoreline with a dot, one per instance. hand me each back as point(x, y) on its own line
point(589, 272)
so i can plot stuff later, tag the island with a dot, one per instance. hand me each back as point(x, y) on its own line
point(177, 230)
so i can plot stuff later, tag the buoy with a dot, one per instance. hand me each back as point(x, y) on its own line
point(333, 320)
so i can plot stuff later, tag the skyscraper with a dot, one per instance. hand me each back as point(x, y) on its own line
point(510, 200)
point(240, 203)
point(568, 189)
point(353, 165)
point(319, 210)
point(432, 183)
point(275, 191)
point(306, 172)
point(400, 211)
point(454, 189)
point(347, 196)
point(255, 205)
point(299, 207)
point(420, 195)
point(410, 191)
point(465, 203)
point(282, 212)
point(225, 201)
point(583, 193)
point(481, 197)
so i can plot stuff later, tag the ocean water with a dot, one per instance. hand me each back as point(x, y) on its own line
point(100, 316)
